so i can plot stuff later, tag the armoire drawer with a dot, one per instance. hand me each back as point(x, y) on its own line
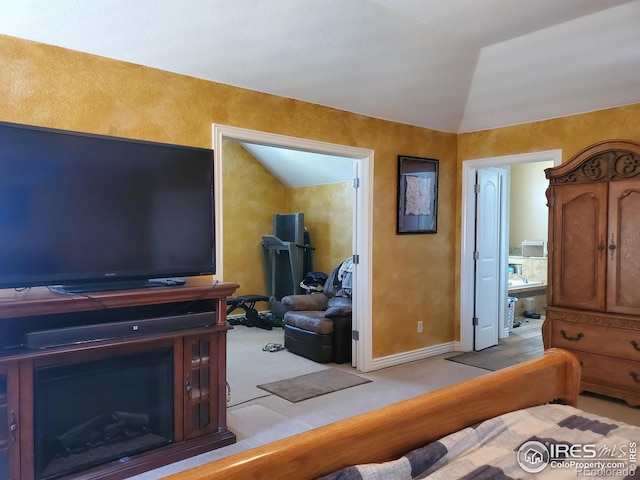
point(604, 340)
point(613, 372)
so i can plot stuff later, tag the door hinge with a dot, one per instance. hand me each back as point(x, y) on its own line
point(355, 335)
point(355, 259)
point(476, 188)
point(356, 182)
point(475, 321)
point(476, 255)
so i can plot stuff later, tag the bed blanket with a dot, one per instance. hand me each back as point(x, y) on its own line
point(543, 442)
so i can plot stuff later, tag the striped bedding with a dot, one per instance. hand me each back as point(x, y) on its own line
point(511, 446)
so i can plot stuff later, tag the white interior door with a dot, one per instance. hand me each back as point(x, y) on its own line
point(468, 244)
point(355, 323)
point(487, 254)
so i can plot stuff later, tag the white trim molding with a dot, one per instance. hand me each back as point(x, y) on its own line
point(412, 356)
point(469, 168)
point(363, 213)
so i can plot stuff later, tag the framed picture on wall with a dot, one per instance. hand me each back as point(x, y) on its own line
point(417, 195)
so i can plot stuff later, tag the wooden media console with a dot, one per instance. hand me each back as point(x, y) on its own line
point(165, 344)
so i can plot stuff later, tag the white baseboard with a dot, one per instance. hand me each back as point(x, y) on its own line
point(459, 347)
point(406, 357)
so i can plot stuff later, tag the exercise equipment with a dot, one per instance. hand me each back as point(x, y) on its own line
point(248, 304)
point(287, 255)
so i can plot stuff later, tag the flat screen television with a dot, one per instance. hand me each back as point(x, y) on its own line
point(90, 212)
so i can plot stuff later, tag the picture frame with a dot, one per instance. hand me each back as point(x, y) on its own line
point(417, 195)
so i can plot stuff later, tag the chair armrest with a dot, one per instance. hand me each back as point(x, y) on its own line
point(313, 302)
point(338, 307)
point(333, 312)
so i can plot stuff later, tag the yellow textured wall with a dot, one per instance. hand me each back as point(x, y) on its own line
point(571, 134)
point(328, 216)
point(252, 195)
point(412, 276)
point(528, 213)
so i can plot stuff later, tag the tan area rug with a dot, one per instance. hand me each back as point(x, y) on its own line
point(523, 343)
point(312, 385)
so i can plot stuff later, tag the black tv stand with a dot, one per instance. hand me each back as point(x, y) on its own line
point(86, 288)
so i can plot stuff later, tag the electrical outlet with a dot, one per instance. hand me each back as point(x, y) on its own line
point(420, 327)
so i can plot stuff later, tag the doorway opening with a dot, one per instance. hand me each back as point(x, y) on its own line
point(362, 221)
point(470, 169)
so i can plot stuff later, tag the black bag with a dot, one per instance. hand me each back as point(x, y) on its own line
point(313, 282)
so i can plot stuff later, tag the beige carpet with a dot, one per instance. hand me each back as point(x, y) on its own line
point(523, 343)
point(311, 385)
point(249, 365)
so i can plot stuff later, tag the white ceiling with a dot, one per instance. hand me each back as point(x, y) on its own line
point(448, 65)
point(296, 168)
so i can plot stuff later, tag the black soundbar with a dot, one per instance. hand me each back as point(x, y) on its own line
point(108, 331)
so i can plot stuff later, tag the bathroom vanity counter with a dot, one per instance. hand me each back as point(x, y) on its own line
point(531, 288)
point(530, 296)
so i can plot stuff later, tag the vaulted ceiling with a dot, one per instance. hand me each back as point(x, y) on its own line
point(448, 65)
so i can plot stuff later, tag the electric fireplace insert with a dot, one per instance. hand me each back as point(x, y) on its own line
point(91, 413)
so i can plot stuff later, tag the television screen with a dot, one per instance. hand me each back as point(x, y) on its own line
point(78, 208)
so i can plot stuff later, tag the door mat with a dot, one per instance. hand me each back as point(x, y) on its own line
point(524, 343)
point(312, 385)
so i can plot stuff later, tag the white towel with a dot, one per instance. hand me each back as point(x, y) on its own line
point(345, 277)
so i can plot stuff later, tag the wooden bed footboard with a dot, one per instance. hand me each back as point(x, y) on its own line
point(390, 432)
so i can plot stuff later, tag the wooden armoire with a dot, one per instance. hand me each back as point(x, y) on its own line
point(593, 292)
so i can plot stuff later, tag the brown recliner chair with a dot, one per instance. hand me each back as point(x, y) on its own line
point(317, 326)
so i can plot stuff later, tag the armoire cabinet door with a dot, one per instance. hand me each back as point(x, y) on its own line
point(579, 245)
point(623, 247)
